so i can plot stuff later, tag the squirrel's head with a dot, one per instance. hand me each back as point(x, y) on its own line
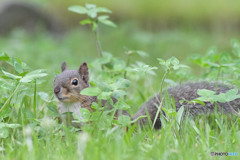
point(69, 83)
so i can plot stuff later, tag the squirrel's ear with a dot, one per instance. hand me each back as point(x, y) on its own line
point(83, 71)
point(64, 66)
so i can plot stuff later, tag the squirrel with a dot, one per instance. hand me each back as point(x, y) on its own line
point(67, 87)
point(69, 83)
point(187, 91)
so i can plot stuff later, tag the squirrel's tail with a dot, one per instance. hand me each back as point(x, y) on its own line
point(187, 91)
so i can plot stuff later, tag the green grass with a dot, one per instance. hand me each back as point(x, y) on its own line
point(41, 50)
point(156, 14)
point(119, 144)
point(40, 137)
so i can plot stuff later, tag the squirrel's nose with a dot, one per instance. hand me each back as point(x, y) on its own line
point(57, 90)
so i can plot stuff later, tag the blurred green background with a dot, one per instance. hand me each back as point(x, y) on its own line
point(160, 28)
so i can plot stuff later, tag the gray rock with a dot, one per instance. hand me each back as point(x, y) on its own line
point(17, 14)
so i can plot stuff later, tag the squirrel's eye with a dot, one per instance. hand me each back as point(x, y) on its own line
point(75, 82)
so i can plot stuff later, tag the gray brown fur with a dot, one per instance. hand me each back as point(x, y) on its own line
point(70, 99)
point(188, 91)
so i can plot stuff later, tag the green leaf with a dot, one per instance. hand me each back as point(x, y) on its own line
point(105, 95)
point(121, 105)
point(142, 53)
point(94, 91)
point(31, 76)
point(179, 116)
point(2, 149)
point(17, 66)
point(235, 43)
point(92, 84)
point(161, 61)
point(212, 50)
point(4, 132)
point(13, 125)
point(198, 101)
point(228, 64)
point(10, 75)
point(228, 96)
point(90, 6)
point(86, 21)
point(5, 113)
point(143, 68)
point(23, 73)
point(108, 22)
point(16, 63)
point(174, 61)
point(236, 47)
point(78, 9)
point(4, 56)
point(170, 82)
point(170, 112)
point(232, 92)
point(6, 125)
point(85, 113)
point(95, 106)
point(164, 64)
point(183, 66)
point(196, 59)
point(53, 109)
point(232, 98)
point(175, 67)
point(119, 93)
point(124, 120)
point(195, 127)
point(103, 86)
point(205, 92)
point(140, 117)
point(118, 64)
point(28, 113)
point(94, 26)
point(220, 98)
point(44, 96)
point(121, 83)
point(92, 13)
point(213, 64)
point(103, 10)
point(103, 17)
point(106, 58)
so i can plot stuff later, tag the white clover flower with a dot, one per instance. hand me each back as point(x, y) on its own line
point(28, 133)
point(47, 123)
point(82, 142)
